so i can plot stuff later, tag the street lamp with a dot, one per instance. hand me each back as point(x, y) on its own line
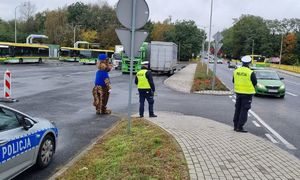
point(16, 20)
point(209, 34)
point(78, 25)
point(280, 55)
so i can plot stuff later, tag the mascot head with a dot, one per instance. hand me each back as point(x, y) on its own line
point(103, 63)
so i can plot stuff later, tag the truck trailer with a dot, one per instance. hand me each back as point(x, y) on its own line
point(163, 57)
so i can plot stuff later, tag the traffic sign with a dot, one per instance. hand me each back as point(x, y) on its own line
point(217, 47)
point(218, 37)
point(125, 9)
point(125, 37)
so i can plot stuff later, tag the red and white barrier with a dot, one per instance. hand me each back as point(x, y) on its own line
point(7, 84)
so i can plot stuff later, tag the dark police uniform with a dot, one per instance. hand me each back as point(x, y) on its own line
point(146, 90)
point(244, 81)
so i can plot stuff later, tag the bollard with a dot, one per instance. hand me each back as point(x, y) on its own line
point(7, 84)
point(7, 88)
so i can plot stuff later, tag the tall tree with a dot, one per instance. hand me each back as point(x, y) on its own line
point(56, 28)
point(187, 36)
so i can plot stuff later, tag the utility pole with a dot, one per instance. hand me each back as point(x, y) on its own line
point(280, 56)
point(16, 20)
point(209, 34)
point(74, 37)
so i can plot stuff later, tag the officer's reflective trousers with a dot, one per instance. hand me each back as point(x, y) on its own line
point(242, 105)
point(146, 94)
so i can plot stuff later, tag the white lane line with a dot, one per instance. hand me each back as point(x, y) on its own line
point(285, 142)
point(256, 124)
point(292, 82)
point(289, 93)
point(271, 138)
point(230, 97)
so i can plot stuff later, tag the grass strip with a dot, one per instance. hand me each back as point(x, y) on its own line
point(203, 81)
point(147, 153)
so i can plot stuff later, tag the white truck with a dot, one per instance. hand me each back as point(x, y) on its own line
point(163, 57)
point(117, 59)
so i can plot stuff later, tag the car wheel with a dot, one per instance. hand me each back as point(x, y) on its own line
point(46, 152)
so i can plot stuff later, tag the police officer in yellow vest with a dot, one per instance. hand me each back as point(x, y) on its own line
point(244, 81)
point(146, 88)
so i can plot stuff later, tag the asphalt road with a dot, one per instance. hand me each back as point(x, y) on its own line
point(281, 115)
point(62, 92)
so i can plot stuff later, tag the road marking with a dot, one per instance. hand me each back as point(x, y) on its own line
point(271, 138)
point(256, 124)
point(230, 97)
point(289, 93)
point(292, 82)
point(285, 142)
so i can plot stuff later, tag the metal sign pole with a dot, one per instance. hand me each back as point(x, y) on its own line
point(131, 62)
point(209, 34)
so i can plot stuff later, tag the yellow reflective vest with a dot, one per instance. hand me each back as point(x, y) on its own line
point(242, 81)
point(142, 80)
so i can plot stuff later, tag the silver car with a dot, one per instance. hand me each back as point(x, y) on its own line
point(24, 141)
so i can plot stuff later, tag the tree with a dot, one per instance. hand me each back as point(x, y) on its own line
point(27, 10)
point(89, 35)
point(77, 12)
point(56, 28)
point(289, 46)
point(245, 31)
point(160, 30)
point(187, 36)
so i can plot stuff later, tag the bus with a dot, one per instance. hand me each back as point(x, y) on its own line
point(90, 56)
point(258, 60)
point(23, 53)
point(69, 54)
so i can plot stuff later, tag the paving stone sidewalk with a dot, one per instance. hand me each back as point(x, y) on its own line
point(214, 151)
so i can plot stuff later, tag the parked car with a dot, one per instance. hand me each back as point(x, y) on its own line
point(24, 142)
point(220, 61)
point(269, 83)
point(231, 64)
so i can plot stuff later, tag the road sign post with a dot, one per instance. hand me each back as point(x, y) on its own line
point(217, 46)
point(133, 14)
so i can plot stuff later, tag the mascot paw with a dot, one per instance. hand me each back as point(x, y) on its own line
point(107, 111)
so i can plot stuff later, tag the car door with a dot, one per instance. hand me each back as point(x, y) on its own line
point(16, 144)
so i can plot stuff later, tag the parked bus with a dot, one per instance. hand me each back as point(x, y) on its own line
point(258, 60)
point(90, 56)
point(69, 54)
point(22, 53)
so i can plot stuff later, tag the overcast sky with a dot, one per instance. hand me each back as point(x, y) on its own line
point(198, 10)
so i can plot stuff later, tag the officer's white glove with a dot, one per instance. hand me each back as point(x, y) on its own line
point(109, 91)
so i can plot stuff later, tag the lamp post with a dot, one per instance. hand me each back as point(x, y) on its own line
point(16, 20)
point(74, 38)
point(280, 55)
point(209, 34)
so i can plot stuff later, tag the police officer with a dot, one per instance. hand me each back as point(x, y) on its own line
point(244, 81)
point(146, 88)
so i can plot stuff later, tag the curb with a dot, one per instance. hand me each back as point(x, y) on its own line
point(286, 72)
point(83, 152)
point(217, 93)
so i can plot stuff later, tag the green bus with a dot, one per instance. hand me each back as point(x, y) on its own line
point(23, 53)
point(90, 56)
point(258, 60)
point(69, 54)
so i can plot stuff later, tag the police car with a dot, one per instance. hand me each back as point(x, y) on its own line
point(24, 141)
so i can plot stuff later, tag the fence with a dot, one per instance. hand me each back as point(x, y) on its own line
point(295, 69)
